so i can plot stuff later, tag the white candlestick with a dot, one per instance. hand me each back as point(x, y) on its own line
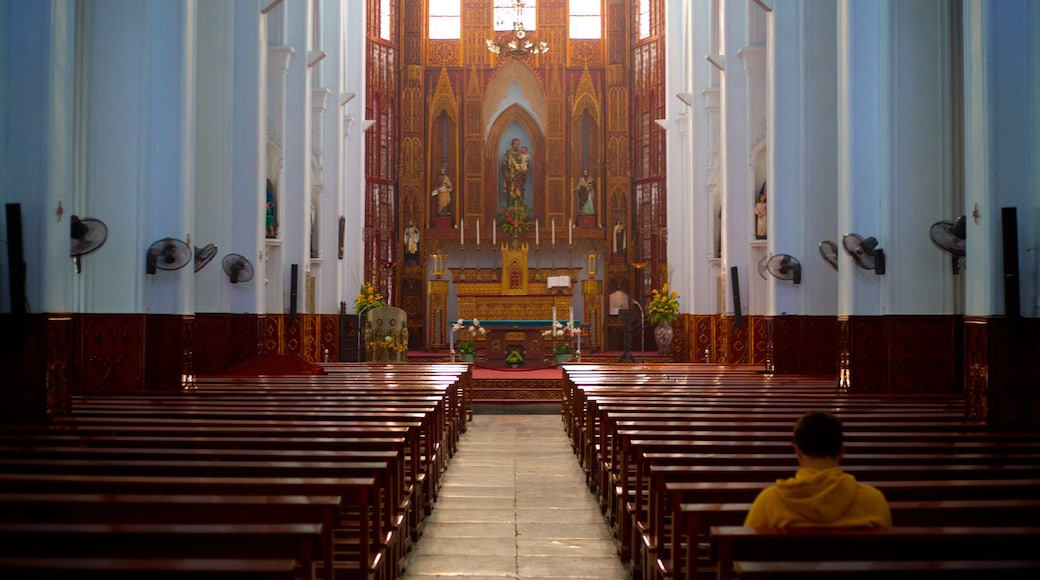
point(462, 232)
point(554, 231)
point(579, 341)
point(570, 233)
point(536, 232)
point(494, 230)
point(478, 231)
point(572, 317)
point(554, 318)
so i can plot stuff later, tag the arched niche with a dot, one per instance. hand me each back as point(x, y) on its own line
point(515, 122)
point(587, 153)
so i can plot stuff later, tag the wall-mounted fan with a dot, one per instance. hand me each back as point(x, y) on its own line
point(238, 268)
point(762, 267)
point(951, 237)
point(785, 267)
point(864, 252)
point(203, 255)
point(829, 253)
point(88, 234)
point(167, 254)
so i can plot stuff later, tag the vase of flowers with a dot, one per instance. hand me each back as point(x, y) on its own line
point(516, 218)
point(663, 309)
point(468, 333)
point(563, 352)
point(514, 358)
point(468, 350)
point(368, 298)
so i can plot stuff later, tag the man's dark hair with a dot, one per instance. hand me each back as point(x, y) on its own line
point(818, 434)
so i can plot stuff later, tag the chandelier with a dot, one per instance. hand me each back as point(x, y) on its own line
point(519, 45)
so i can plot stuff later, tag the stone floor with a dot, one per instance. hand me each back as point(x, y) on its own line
point(513, 504)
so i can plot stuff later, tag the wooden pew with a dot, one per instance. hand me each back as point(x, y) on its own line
point(355, 495)
point(301, 542)
point(932, 543)
point(131, 568)
point(694, 521)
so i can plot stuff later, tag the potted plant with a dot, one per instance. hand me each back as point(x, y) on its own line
point(468, 350)
point(662, 309)
point(563, 352)
point(467, 347)
point(514, 358)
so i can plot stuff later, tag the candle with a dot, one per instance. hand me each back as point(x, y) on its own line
point(570, 233)
point(579, 343)
point(478, 231)
point(494, 230)
point(553, 226)
point(536, 232)
point(554, 318)
point(462, 232)
point(572, 316)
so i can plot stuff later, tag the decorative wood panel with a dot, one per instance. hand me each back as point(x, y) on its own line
point(24, 361)
point(60, 364)
point(211, 350)
point(168, 351)
point(923, 354)
point(112, 352)
point(976, 368)
point(868, 361)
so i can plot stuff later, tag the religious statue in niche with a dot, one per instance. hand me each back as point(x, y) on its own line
point(617, 245)
point(411, 244)
point(586, 194)
point(442, 193)
point(516, 162)
point(271, 216)
point(760, 213)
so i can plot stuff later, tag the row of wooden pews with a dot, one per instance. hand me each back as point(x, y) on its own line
point(677, 453)
point(324, 476)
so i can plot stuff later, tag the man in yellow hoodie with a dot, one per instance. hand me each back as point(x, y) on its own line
point(820, 493)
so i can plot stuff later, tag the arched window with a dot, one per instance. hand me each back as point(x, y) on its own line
point(445, 19)
point(586, 19)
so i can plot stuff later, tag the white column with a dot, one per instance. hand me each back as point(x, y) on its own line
point(295, 231)
point(802, 178)
point(331, 291)
point(690, 245)
point(228, 153)
point(736, 187)
point(137, 148)
point(352, 47)
point(36, 169)
point(862, 131)
point(1002, 149)
point(895, 143)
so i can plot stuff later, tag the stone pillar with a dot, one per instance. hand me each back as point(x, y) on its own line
point(895, 174)
point(802, 181)
point(1002, 161)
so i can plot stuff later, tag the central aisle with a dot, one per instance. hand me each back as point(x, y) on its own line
point(513, 504)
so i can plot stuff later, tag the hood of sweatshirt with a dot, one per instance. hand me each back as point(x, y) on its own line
point(820, 495)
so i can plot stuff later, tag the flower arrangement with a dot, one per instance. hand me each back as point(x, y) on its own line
point(514, 358)
point(664, 305)
point(368, 299)
point(474, 329)
point(387, 345)
point(516, 219)
point(563, 348)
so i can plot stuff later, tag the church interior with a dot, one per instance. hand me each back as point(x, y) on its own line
point(842, 194)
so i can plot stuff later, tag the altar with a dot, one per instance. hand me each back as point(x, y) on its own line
point(515, 303)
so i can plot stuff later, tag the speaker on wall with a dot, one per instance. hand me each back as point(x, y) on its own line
point(16, 258)
point(1009, 234)
point(293, 290)
point(737, 310)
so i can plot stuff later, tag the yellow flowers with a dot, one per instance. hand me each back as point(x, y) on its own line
point(368, 298)
point(664, 305)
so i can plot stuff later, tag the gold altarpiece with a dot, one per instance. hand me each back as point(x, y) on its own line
point(518, 296)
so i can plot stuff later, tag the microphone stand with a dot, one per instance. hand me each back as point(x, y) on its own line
point(642, 331)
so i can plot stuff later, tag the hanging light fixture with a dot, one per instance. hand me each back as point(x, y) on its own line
point(519, 45)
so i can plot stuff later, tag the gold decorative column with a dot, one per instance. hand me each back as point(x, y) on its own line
point(437, 290)
point(592, 295)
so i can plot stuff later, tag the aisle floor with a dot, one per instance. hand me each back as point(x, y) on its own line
point(514, 504)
